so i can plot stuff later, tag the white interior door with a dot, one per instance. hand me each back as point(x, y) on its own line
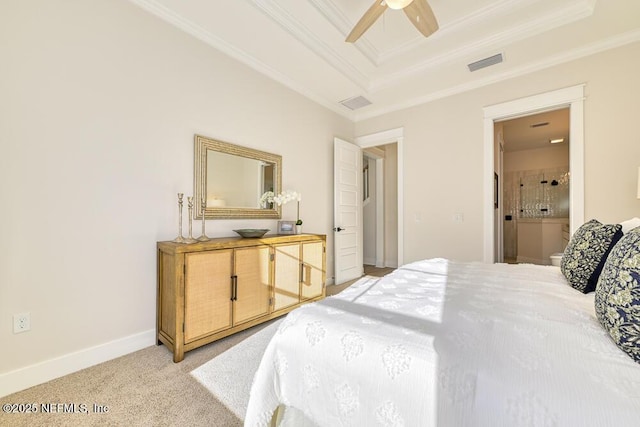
point(347, 217)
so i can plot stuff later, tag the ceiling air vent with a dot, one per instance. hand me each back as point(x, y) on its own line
point(355, 102)
point(537, 125)
point(486, 62)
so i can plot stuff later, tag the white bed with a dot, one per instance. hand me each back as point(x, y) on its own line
point(443, 343)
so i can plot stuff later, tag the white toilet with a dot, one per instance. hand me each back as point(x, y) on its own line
point(556, 258)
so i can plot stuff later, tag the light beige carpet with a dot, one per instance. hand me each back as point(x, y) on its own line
point(146, 388)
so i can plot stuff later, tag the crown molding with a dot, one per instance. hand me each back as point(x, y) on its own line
point(334, 15)
point(338, 19)
point(203, 35)
point(283, 18)
point(558, 59)
point(572, 12)
point(491, 11)
point(497, 42)
point(575, 11)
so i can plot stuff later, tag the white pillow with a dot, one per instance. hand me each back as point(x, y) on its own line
point(630, 224)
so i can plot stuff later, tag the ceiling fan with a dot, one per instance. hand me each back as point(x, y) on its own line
point(418, 11)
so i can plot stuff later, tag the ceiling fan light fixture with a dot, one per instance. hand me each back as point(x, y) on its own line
point(398, 4)
point(418, 11)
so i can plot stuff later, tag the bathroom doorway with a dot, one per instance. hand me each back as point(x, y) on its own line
point(535, 185)
point(572, 97)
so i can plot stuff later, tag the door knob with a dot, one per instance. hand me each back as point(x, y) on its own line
point(338, 228)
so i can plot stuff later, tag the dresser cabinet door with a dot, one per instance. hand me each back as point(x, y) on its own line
point(251, 283)
point(312, 270)
point(286, 277)
point(207, 293)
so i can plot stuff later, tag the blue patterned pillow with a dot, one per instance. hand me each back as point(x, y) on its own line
point(587, 252)
point(617, 300)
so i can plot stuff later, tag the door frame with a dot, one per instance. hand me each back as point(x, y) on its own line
point(389, 137)
point(572, 97)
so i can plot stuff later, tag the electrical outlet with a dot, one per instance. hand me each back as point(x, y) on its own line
point(458, 217)
point(21, 322)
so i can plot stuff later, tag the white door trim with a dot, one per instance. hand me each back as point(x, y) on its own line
point(572, 97)
point(388, 137)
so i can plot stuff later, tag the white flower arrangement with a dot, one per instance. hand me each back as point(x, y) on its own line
point(282, 199)
point(267, 197)
point(286, 197)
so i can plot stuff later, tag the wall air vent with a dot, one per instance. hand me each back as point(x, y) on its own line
point(486, 62)
point(355, 102)
point(538, 125)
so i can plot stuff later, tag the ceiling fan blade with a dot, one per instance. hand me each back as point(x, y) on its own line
point(422, 17)
point(367, 20)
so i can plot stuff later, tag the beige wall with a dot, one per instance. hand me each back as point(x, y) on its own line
point(443, 151)
point(540, 158)
point(100, 102)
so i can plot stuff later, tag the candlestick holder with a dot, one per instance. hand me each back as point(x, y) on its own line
point(180, 239)
point(203, 237)
point(190, 239)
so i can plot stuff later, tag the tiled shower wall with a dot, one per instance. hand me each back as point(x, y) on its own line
point(542, 193)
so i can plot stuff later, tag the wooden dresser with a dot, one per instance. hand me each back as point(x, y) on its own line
point(209, 290)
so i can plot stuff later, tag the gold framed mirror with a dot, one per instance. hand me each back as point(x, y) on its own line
point(230, 180)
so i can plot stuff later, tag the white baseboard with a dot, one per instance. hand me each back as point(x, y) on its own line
point(29, 376)
point(386, 263)
point(369, 261)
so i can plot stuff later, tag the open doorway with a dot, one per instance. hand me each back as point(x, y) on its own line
point(389, 240)
point(571, 97)
point(348, 227)
point(380, 208)
point(535, 186)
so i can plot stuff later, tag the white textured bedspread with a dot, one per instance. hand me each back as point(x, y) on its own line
point(442, 343)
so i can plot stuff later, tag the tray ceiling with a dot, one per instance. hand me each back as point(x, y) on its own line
point(300, 43)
